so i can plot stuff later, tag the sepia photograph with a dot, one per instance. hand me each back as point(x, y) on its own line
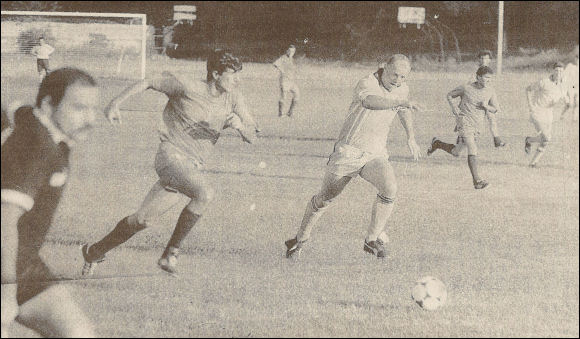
point(294, 169)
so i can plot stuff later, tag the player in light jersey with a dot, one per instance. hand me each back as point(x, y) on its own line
point(361, 150)
point(542, 96)
point(477, 98)
point(42, 53)
point(193, 116)
point(485, 60)
point(35, 162)
point(570, 78)
point(288, 88)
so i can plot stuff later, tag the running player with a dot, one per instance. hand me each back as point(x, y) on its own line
point(42, 52)
point(35, 161)
point(361, 150)
point(542, 96)
point(288, 88)
point(193, 116)
point(477, 99)
point(485, 57)
point(571, 82)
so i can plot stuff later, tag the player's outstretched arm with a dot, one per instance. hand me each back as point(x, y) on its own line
point(10, 215)
point(457, 92)
point(166, 84)
point(406, 117)
point(375, 102)
point(493, 104)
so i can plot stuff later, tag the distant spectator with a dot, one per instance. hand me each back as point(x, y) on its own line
point(571, 83)
point(42, 52)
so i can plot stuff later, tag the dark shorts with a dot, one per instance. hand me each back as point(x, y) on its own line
point(42, 64)
point(33, 278)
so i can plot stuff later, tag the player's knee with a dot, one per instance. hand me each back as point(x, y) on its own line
point(389, 189)
point(140, 221)
point(200, 200)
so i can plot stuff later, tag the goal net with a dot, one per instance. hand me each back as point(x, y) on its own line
point(109, 45)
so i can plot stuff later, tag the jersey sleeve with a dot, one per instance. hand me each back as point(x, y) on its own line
point(168, 84)
point(25, 168)
point(240, 113)
point(366, 87)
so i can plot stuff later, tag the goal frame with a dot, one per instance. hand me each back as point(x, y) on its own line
point(143, 18)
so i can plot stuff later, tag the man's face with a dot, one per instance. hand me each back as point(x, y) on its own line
point(228, 80)
point(290, 52)
point(396, 74)
point(77, 112)
point(41, 41)
point(485, 80)
point(484, 60)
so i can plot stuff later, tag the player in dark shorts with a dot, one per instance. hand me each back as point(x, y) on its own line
point(35, 162)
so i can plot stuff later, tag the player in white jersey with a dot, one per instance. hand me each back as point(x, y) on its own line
point(477, 98)
point(194, 115)
point(542, 96)
point(42, 53)
point(484, 57)
point(288, 88)
point(570, 78)
point(361, 150)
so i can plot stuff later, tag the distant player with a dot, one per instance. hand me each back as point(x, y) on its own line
point(42, 52)
point(193, 116)
point(542, 96)
point(35, 162)
point(288, 88)
point(361, 150)
point(570, 78)
point(477, 99)
point(485, 57)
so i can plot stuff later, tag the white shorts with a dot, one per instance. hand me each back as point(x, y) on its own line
point(348, 161)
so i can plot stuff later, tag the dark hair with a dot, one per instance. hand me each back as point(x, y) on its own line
point(220, 60)
point(55, 84)
point(291, 46)
point(557, 64)
point(483, 70)
point(485, 52)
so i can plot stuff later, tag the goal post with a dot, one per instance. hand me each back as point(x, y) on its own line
point(110, 45)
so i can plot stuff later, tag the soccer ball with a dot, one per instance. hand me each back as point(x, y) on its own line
point(429, 293)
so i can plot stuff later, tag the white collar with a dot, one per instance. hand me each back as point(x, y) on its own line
point(55, 133)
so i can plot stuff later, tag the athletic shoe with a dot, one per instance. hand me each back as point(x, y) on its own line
point(293, 248)
point(90, 262)
point(431, 149)
point(376, 248)
point(498, 142)
point(528, 146)
point(481, 184)
point(168, 261)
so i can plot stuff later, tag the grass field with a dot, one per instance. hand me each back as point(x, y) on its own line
point(508, 254)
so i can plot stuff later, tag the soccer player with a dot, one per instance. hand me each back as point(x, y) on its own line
point(193, 116)
point(570, 78)
point(485, 60)
point(42, 52)
point(542, 96)
point(35, 162)
point(477, 99)
point(361, 150)
point(288, 88)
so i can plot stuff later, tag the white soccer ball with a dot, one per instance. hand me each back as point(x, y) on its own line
point(429, 293)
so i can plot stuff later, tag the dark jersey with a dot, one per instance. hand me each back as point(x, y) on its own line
point(34, 171)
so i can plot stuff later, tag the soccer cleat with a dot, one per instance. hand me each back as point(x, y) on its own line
point(376, 248)
point(528, 146)
point(498, 142)
point(431, 148)
point(168, 262)
point(293, 248)
point(90, 262)
point(480, 184)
